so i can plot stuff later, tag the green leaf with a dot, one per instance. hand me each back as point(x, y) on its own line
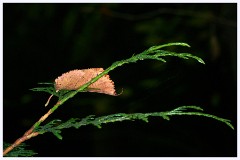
point(57, 134)
point(19, 151)
point(119, 117)
point(168, 45)
point(153, 53)
point(180, 111)
point(49, 89)
point(55, 127)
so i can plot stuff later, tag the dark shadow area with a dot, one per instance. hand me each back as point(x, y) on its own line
point(42, 41)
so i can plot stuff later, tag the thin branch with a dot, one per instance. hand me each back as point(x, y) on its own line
point(29, 133)
point(19, 141)
point(150, 53)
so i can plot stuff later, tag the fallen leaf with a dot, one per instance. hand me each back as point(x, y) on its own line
point(74, 79)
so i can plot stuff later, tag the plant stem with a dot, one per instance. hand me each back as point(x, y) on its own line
point(19, 141)
point(30, 133)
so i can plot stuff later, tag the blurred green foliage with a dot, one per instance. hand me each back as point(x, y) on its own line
point(42, 41)
point(19, 151)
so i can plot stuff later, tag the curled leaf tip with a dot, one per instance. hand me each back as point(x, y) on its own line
point(46, 104)
point(201, 61)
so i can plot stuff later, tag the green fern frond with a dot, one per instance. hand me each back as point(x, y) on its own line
point(164, 53)
point(180, 111)
point(92, 120)
point(153, 53)
point(153, 48)
point(19, 151)
point(55, 126)
point(49, 88)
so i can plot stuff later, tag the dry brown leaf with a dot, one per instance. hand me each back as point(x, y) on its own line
point(74, 79)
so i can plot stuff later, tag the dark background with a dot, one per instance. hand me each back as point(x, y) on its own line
point(42, 41)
